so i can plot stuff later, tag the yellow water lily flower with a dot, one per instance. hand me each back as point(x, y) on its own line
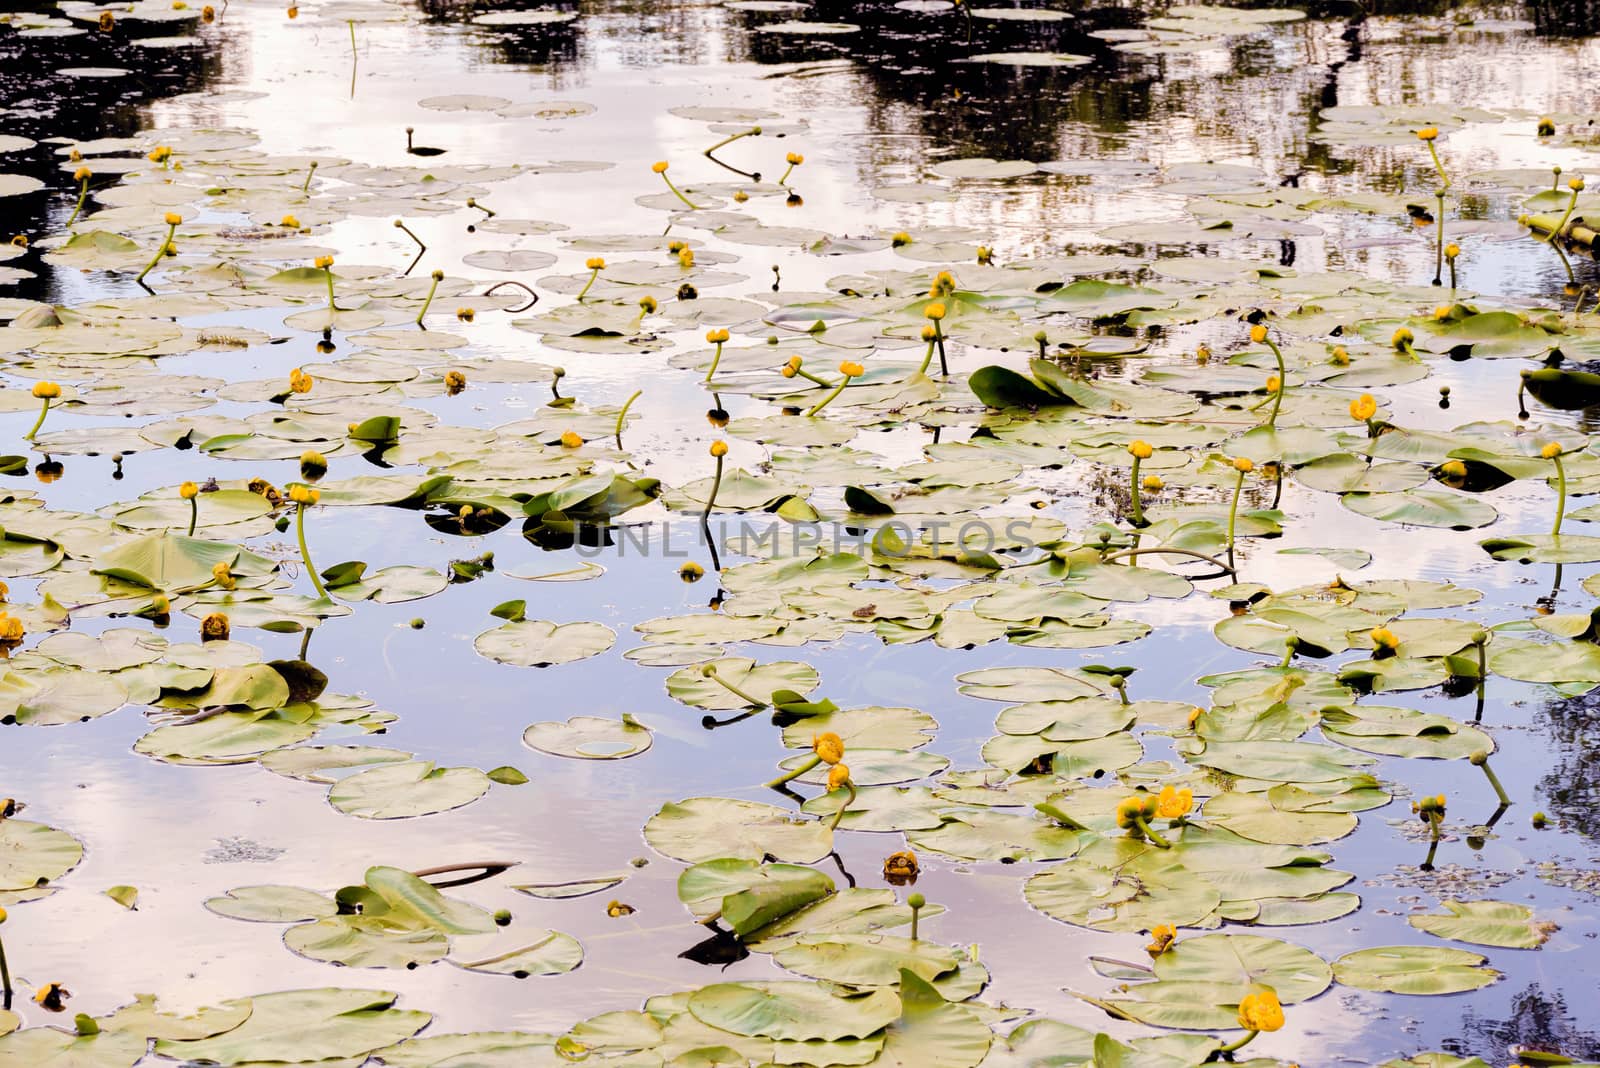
point(1258, 333)
point(1152, 483)
point(1261, 1011)
point(214, 628)
point(46, 390)
point(717, 336)
point(1384, 638)
point(1174, 804)
point(1363, 408)
point(934, 311)
point(1243, 464)
point(901, 866)
point(1162, 935)
point(571, 439)
point(660, 166)
point(838, 777)
point(1428, 133)
point(1551, 451)
point(1141, 450)
point(851, 370)
point(829, 747)
point(719, 449)
point(301, 494)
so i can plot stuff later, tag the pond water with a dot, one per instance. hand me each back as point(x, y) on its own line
point(1149, 182)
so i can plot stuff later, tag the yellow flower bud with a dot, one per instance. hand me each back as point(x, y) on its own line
point(719, 449)
point(46, 390)
point(794, 159)
point(1402, 338)
point(1243, 464)
point(188, 491)
point(851, 370)
point(1141, 450)
point(1427, 133)
point(595, 263)
point(1384, 638)
point(838, 776)
point(1258, 333)
point(660, 166)
point(829, 747)
point(570, 439)
point(301, 494)
point(174, 219)
point(934, 311)
point(1152, 483)
point(1551, 450)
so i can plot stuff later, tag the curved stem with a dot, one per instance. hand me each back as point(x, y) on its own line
point(675, 192)
point(39, 422)
point(1152, 834)
point(1233, 515)
point(1571, 204)
point(1239, 1044)
point(715, 360)
point(1561, 497)
point(427, 302)
point(711, 501)
point(194, 513)
point(1125, 553)
point(788, 171)
point(927, 358)
point(594, 273)
point(623, 414)
point(533, 298)
point(823, 403)
point(823, 382)
point(83, 194)
point(740, 694)
point(331, 305)
point(790, 776)
point(1443, 177)
point(166, 242)
point(837, 816)
point(1283, 385)
point(305, 554)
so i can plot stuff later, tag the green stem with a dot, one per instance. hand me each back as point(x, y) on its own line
point(194, 513)
point(1435, 821)
point(162, 251)
point(837, 816)
point(623, 414)
point(1561, 496)
point(1494, 780)
point(1438, 250)
point(785, 179)
point(790, 776)
point(593, 274)
point(37, 423)
point(1551, 236)
point(1433, 849)
point(428, 303)
point(331, 305)
point(1452, 264)
point(1239, 1044)
point(1152, 834)
point(83, 194)
point(754, 131)
point(311, 172)
point(927, 358)
point(715, 360)
point(823, 403)
point(823, 382)
point(1138, 505)
point(1126, 553)
point(710, 672)
point(1283, 385)
point(5, 975)
point(711, 502)
point(916, 913)
point(399, 224)
point(675, 192)
point(1233, 514)
point(1434, 152)
point(938, 339)
point(305, 553)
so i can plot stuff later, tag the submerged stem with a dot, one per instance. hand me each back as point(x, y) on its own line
point(623, 414)
point(711, 501)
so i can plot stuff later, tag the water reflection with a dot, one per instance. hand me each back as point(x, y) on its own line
point(1538, 1022)
point(1571, 788)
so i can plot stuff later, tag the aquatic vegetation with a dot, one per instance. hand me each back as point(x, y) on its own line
point(1100, 464)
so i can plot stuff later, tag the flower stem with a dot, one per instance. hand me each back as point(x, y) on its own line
point(711, 502)
point(823, 382)
point(5, 976)
point(1561, 496)
point(1571, 204)
point(675, 192)
point(305, 553)
point(37, 423)
point(194, 513)
point(593, 274)
point(311, 172)
point(1138, 505)
point(715, 360)
point(428, 302)
point(927, 358)
point(790, 776)
point(83, 194)
point(710, 672)
point(938, 339)
point(1434, 152)
point(1239, 1044)
point(823, 403)
point(162, 251)
point(1438, 248)
point(1152, 834)
point(754, 131)
point(837, 816)
point(916, 914)
point(1233, 514)
point(623, 414)
point(1494, 781)
point(1283, 385)
point(788, 171)
point(331, 305)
